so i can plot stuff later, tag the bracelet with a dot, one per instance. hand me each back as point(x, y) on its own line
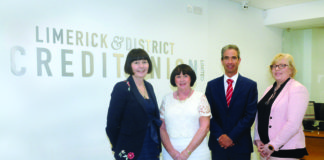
point(188, 152)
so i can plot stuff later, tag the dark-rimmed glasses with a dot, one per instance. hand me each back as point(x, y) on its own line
point(280, 66)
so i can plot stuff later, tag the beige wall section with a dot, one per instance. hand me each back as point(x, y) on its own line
point(301, 51)
point(317, 84)
point(306, 46)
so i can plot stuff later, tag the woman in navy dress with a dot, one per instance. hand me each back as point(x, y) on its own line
point(133, 120)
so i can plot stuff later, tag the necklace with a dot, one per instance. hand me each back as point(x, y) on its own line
point(186, 96)
point(145, 95)
point(272, 95)
point(138, 83)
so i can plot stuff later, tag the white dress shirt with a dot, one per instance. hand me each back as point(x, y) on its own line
point(234, 78)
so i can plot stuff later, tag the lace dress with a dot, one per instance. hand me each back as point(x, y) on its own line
point(182, 122)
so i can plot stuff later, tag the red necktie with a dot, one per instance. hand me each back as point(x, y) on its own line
point(229, 91)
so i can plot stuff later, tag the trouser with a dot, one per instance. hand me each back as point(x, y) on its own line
point(226, 155)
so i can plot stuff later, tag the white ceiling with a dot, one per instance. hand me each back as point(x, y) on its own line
point(304, 24)
point(270, 4)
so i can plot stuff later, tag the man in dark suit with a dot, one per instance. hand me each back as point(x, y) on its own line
point(233, 104)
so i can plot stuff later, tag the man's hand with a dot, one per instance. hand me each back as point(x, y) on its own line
point(225, 142)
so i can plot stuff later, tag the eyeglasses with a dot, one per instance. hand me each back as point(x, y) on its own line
point(280, 66)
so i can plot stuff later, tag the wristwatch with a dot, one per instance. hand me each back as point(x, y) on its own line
point(270, 147)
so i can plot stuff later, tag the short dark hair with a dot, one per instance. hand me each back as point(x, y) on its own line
point(134, 55)
point(231, 46)
point(185, 69)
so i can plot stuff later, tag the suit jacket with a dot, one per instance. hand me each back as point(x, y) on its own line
point(127, 120)
point(286, 116)
point(235, 120)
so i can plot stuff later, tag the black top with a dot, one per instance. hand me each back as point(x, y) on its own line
point(264, 110)
point(150, 149)
point(154, 123)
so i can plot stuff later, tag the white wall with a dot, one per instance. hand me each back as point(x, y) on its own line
point(230, 24)
point(62, 116)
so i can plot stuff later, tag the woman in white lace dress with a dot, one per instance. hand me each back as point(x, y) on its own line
point(186, 115)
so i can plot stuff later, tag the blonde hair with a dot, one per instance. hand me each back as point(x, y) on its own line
point(291, 62)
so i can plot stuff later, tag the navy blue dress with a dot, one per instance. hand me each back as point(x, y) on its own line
point(150, 149)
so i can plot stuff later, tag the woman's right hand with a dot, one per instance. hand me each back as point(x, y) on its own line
point(184, 155)
point(260, 146)
point(175, 154)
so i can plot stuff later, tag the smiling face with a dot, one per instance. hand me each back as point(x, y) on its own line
point(231, 62)
point(182, 81)
point(281, 75)
point(140, 68)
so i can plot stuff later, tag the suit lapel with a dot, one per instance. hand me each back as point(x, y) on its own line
point(136, 93)
point(222, 91)
point(237, 88)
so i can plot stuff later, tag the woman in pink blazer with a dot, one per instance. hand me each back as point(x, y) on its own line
point(278, 126)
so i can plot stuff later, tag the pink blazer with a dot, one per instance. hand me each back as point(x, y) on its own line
point(286, 116)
